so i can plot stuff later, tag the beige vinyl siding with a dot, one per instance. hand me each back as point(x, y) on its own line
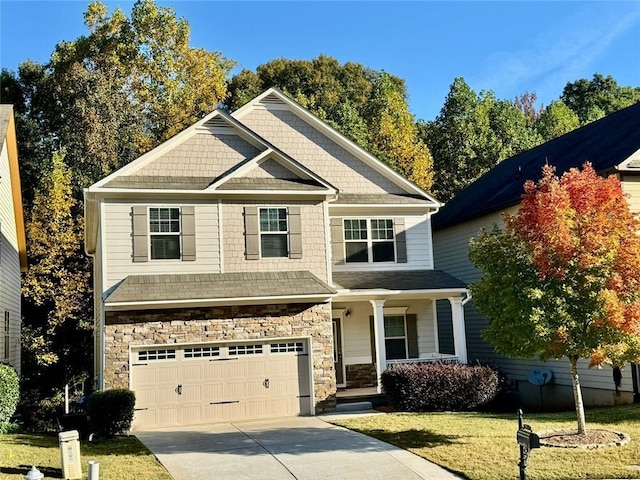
point(119, 246)
point(10, 280)
point(201, 155)
point(451, 247)
point(313, 239)
point(631, 187)
point(418, 239)
point(317, 152)
point(271, 169)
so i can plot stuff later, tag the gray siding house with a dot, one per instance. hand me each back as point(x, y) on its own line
point(612, 145)
point(257, 262)
point(13, 250)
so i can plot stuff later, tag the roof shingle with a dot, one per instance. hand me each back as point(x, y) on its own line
point(396, 280)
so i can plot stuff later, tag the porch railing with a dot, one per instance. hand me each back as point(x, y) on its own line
point(432, 358)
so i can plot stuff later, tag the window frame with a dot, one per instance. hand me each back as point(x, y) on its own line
point(370, 241)
point(284, 233)
point(404, 337)
point(7, 333)
point(160, 233)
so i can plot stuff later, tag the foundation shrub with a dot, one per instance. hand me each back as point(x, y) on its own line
point(9, 392)
point(423, 387)
point(111, 411)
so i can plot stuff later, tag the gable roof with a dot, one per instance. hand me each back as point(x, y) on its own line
point(337, 137)
point(606, 143)
point(8, 134)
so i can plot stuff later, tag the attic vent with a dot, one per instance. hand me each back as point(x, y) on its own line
point(217, 122)
point(272, 100)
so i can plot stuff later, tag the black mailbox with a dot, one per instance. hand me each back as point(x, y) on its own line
point(527, 438)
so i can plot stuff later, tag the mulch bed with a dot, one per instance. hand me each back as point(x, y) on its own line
point(594, 438)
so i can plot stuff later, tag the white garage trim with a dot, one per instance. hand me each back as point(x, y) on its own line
point(207, 382)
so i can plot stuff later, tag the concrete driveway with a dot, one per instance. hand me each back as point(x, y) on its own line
point(302, 448)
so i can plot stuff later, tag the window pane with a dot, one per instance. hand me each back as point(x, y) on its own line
point(396, 349)
point(165, 247)
point(355, 229)
point(273, 220)
point(383, 252)
point(394, 326)
point(357, 252)
point(382, 229)
point(274, 245)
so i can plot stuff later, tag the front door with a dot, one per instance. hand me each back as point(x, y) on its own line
point(337, 351)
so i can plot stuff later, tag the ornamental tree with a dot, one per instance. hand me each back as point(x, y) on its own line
point(562, 278)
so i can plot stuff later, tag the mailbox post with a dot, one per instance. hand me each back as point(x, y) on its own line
point(527, 440)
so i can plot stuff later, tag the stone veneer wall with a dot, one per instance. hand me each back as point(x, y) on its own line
point(362, 375)
point(176, 326)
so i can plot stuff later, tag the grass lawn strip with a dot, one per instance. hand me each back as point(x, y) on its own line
point(483, 446)
point(122, 458)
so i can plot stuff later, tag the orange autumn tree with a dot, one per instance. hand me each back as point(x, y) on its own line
point(563, 278)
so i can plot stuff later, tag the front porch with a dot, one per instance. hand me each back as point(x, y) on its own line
point(372, 334)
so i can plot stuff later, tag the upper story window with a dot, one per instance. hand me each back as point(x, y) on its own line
point(274, 230)
point(369, 240)
point(164, 233)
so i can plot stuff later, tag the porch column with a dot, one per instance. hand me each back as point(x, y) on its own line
point(378, 332)
point(459, 335)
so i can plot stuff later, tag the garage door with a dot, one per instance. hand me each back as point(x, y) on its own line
point(187, 385)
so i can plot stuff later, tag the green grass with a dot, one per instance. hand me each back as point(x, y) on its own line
point(122, 458)
point(482, 446)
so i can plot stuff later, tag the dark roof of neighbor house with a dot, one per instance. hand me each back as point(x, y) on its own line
point(396, 280)
point(606, 143)
point(209, 286)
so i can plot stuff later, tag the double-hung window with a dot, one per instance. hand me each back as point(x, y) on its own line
point(395, 337)
point(274, 232)
point(369, 240)
point(164, 233)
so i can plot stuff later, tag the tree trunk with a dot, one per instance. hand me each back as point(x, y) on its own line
point(577, 395)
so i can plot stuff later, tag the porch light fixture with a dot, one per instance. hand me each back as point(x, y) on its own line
point(347, 313)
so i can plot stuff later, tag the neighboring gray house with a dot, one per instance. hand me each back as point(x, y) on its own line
point(256, 262)
point(612, 145)
point(13, 250)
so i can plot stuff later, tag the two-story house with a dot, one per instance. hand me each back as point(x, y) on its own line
point(256, 262)
point(612, 145)
point(13, 250)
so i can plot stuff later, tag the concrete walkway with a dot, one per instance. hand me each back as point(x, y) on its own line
point(303, 448)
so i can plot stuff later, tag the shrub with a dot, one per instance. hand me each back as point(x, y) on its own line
point(420, 387)
point(9, 392)
point(111, 411)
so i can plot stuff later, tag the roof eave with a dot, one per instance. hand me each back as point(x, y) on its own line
point(205, 302)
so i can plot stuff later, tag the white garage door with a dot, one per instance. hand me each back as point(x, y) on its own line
point(187, 385)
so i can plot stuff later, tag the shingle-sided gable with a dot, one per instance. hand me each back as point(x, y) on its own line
point(320, 148)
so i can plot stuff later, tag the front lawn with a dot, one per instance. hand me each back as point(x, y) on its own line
point(482, 446)
point(120, 458)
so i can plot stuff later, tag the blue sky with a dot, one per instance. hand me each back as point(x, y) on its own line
point(508, 47)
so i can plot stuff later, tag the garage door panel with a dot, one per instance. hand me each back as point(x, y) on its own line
point(221, 384)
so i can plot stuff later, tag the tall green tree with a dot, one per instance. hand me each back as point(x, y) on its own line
point(556, 120)
point(562, 280)
point(598, 97)
point(473, 133)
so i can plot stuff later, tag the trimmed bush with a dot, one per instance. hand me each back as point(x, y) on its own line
point(9, 392)
point(422, 387)
point(111, 411)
